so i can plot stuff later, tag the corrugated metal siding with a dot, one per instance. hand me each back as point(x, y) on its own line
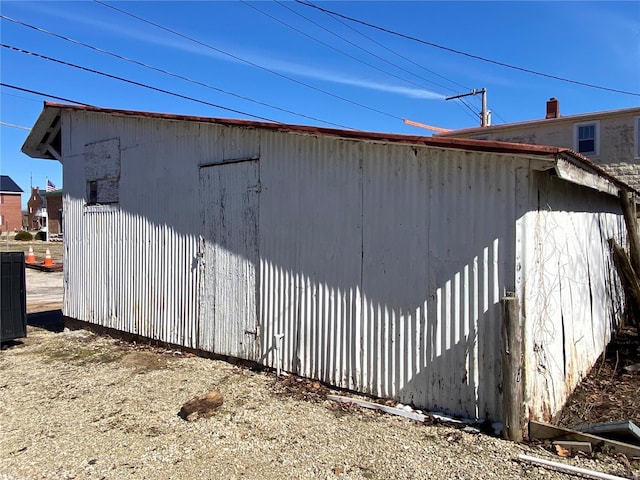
point(382, 265)
point(133, 266)
point(571, 296)
point(310, 237)
point(383, 270)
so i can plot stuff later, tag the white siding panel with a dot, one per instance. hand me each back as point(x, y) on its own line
point(570, 291)
point(133, 266)
point(435, 267)
point(310, 238)
point(373, 260)
point(229, 195)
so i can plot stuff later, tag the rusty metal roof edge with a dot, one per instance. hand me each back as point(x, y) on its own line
point(468, 144)
point(455, 143)
point(589, 165)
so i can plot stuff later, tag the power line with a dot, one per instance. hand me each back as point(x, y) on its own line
point(20, 96)
point(407, 59)
point(336, 49)
point(499, 116)
point(42, 94)
point(470, 55)
point(472, 114)
point(166, 72)
point(348, 55)
point(468, 106)
point(133, 82)
point(5, 124)
point(493, 112)
point(235, 57)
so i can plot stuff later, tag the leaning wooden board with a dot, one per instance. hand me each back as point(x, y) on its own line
point(544, 431)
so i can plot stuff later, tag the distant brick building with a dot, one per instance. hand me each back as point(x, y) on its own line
point(53, 203)
point(44, 210)
point(34, 209)
point(10, 204)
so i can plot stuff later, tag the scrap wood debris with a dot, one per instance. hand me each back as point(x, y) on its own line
point(148, 347)
point(302, 389)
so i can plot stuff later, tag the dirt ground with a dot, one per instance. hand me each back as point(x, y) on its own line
point(609, 393)
point(75, 405)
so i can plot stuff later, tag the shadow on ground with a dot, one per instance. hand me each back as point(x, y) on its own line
point(51, 320)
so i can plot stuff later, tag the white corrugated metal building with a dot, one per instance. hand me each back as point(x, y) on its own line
point(380, 258)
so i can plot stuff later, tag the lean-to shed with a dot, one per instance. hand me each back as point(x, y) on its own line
point(379, 259)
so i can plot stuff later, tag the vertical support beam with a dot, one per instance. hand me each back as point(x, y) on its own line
point(512, 370)
point(632, 231)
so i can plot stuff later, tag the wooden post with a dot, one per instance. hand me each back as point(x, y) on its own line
point(512, 370)
point(630, 283)
point(632, 231)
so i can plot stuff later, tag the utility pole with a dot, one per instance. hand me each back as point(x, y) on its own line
point(485, 115)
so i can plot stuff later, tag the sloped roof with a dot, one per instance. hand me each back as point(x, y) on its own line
point(46, 132)
point(580, 117)
point(7, 185)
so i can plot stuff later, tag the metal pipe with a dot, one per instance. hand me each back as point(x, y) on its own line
point(569, 468)
point(278, 338)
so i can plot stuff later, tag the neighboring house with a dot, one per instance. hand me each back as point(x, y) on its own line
point(44, 211)
point(10, 204)
point(53, 204)
point(379, 260)
point(36, 219)
point(611, 139)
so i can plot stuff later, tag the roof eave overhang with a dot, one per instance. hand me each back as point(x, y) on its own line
point(41, 139)
point(579, 173)
point(569, 172)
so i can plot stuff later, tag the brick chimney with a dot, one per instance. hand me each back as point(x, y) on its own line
point(553, 108)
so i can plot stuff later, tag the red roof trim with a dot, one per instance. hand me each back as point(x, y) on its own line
point(439, 141)
point(459, 143)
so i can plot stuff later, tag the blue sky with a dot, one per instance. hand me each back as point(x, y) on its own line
point(300, 59)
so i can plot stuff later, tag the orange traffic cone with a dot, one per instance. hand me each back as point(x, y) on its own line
point(31, 258)
point(48, 261)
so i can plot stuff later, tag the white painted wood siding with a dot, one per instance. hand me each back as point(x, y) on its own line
point(571, 296)
point(228, 305)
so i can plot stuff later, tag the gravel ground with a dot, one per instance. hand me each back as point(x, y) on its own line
point(78, 405)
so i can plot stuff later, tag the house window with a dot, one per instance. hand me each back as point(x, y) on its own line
point(587, 138)
point(92, 192)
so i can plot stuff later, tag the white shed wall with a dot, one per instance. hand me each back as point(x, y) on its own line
point(382, 265)
point(571, 297)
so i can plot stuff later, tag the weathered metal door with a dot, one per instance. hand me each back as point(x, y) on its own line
point(229, 263)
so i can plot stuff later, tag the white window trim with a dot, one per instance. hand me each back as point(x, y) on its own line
point(576, 126)
point(636, 137)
